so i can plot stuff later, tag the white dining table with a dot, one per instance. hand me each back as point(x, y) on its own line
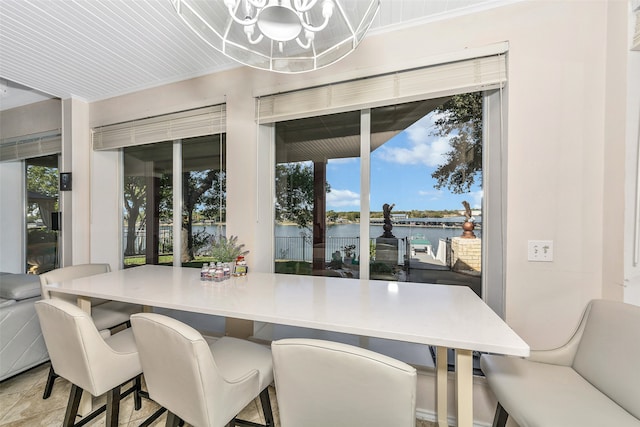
point(444, 316)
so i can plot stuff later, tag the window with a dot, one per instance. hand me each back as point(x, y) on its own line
point(149, 209)
point(42, 214)
point(390, 108)
point(314, 158)
point(148, 206)
point(174, 185)
point(422, 163)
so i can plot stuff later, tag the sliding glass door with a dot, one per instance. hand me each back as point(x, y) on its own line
point(318, 195)
point(149, 209)
point(42, 212)
point(420, 186)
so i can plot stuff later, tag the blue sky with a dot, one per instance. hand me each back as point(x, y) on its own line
point(400, 173)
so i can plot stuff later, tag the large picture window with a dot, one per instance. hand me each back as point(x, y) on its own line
point(174, 185)
point(424, 169)
point(149, 209)
point(415, 157)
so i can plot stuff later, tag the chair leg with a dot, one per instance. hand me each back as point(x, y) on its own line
point(266, 408)
point(72, 406)
point(113, 407)
point(172, 419)
point(49, 386)
point(500, 418)
point(137, 398)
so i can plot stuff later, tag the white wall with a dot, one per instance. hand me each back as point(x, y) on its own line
point(12, 217)
point(106, 207)
point(632, 188)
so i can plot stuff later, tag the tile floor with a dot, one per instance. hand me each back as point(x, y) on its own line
point(21, 404)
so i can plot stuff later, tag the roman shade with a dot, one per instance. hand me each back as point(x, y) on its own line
point(185, 124)
point(455, 76)
point(28, 146)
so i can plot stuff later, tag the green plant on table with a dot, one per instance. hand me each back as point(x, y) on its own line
point(226, 249)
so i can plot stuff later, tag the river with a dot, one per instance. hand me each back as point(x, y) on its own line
point(293, 242)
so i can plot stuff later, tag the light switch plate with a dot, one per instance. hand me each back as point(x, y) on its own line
point(540, 250)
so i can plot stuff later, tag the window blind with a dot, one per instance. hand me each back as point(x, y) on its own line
point(451, 78)
point(29, 146)
point(181, 125)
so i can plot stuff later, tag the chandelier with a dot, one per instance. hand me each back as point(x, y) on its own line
point(287, 36)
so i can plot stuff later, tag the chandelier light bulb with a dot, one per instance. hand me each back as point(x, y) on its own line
point(261, 33)
point(279, 22)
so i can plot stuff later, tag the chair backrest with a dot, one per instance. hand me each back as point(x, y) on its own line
point(179, 369)
point(322, 383)
point(79, 353)
point(608, 355)
point(68, 273)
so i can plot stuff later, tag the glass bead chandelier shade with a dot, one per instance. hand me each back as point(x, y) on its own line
point(287, 36)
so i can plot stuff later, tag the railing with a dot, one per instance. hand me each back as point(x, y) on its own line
point(140, 242)
point(301, 248)
point(286, 248)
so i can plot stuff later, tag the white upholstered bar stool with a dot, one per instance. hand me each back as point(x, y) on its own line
point(105, 314)
point(205, 385)
point(323, 383)
point(90, 362)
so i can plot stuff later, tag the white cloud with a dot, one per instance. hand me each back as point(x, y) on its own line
point(476, 199)
point(342, 198)
point(423, 148)
point(342, 161)
point(432, 195)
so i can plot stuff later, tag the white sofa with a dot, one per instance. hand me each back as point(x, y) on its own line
point(21, 343)
point(593, 380)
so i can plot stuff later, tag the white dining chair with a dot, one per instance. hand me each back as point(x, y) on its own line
point(89, 361)
point(324, 383)
point(205, 385)
point(105, 314)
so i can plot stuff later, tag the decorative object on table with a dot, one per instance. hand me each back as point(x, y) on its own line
point(226, 254)
point(240, 267)
point(468, 225)
point(290, 36)
point(226, 249)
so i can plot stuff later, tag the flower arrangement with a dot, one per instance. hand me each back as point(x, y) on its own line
point(226, 250)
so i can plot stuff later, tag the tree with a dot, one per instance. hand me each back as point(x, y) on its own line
point(196, 191)
point(294, 193)
point(135, 189)
point(43, 180)
point(460, 120)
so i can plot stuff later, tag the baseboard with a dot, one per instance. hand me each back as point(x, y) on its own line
point(430, 416)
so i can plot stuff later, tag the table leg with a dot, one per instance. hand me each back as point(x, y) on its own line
point(238, 328)
point(85, 304)
point(464, 387)
point(86, 405)
point(441, 386)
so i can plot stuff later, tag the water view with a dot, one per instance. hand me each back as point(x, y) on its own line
point(294, 243)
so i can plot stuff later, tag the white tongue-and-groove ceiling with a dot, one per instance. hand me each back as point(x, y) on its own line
point(97, 49)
